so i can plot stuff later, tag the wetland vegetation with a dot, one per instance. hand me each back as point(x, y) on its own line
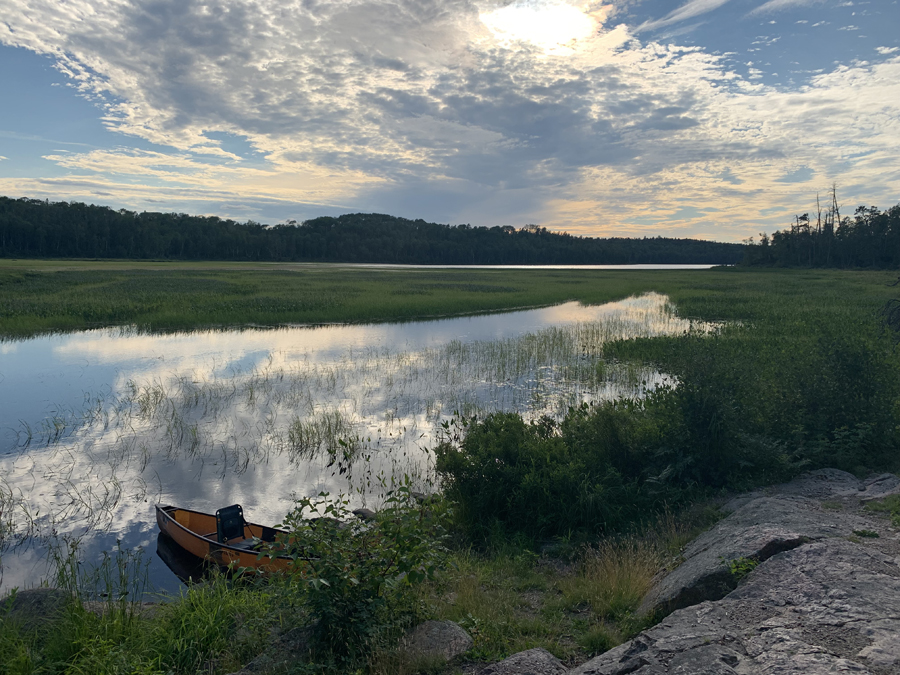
point(42, 296)
point(554, 544)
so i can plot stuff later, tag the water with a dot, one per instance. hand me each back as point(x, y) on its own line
point(98, 426)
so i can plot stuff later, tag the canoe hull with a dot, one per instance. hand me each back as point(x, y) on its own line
point(195, 532)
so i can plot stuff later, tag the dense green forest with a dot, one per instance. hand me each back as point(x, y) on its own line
point(31, 228)
point(871, 238)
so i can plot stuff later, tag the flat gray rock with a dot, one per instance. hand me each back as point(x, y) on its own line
point(828, 602)
point(530, 662)
point(879, 487)
point(827, 607)
point(759, 527)
point(444, 639)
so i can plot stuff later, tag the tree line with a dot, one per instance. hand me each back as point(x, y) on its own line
point(32, 228)
point(871, 238)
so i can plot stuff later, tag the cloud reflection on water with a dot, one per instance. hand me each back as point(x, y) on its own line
point(253, 417)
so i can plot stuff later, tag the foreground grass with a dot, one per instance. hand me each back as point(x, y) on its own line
point(573, 601)
point(213, 628)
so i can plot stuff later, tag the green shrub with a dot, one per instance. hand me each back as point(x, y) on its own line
point(354, 576)
point(870, 534)
point(542, 478)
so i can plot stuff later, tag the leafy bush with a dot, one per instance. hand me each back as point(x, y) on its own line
point(543, 478)
point(354, 576)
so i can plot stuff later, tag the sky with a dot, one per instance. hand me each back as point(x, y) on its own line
point(713, 119)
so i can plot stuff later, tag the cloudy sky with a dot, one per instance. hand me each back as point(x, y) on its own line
point(706, 118)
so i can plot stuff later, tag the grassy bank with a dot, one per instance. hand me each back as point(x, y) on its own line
point(573, 601)
point(42, 296)
point(39, 297)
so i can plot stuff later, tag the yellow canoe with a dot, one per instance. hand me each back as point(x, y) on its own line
point(224, 538)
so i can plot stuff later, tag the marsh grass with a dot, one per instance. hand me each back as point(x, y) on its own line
point(46, 296)
point(105, 629)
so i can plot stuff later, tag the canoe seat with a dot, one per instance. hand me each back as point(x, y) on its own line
point(230, 523)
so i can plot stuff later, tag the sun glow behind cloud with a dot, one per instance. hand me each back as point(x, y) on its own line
point(551, 25)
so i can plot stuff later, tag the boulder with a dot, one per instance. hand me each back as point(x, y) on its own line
point(879, 487)
point(824, 607)
point(31, 607)
point(444, 639)
point(283, 653)
point(758, 527)
point(531, 662)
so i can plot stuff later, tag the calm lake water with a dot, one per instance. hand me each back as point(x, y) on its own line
point(98, 426)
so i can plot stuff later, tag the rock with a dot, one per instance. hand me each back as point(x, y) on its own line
point(364, 514)
point(825, 607)
point(34, 606)
point(530, 662)
point(284, 653)
point(830, 605)
point(758, 528)
point(879, 487)
point(444, 639)
point(819, 484)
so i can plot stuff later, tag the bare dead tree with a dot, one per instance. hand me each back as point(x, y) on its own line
point(818, 215)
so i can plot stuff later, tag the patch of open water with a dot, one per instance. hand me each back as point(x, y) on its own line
point(98, 426)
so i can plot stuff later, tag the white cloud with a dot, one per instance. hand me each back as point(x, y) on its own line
point(887, 50)
point(2, 158)
point(778, 5)
point(688, 10)
point(419, 108)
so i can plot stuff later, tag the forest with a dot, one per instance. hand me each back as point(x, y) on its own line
point(31, 228)
point(871, 238)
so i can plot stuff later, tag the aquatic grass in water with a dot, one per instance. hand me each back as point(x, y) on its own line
point(296, 423)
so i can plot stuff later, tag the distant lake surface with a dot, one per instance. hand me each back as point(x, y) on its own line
point(98, 426)
point(648, 266)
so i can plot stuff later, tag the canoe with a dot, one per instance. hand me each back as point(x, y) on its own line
point(197, 533)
